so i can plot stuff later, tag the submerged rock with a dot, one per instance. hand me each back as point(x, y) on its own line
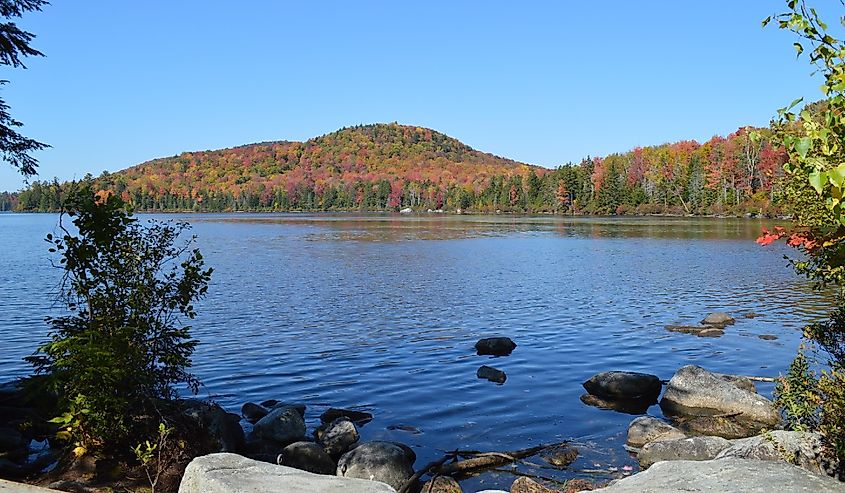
point(697, 330)
point(624, 385)
point(718, 319)
point(561, 456)
point(694, 448)
point(307, 456)
point(495, 346)
point(626, 406)
point(283, 425)
point(768, 337)
point(357, 417)
point(380, 461)
point(696, 391)
point(493, 374)
point(646, 429)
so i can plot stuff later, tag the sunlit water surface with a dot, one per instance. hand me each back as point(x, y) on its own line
point(381, 313)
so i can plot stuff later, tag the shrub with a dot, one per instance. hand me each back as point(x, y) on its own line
point(122, 348)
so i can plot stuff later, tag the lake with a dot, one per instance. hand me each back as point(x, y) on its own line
point(381, 312)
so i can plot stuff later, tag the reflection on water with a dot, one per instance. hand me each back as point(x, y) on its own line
point(381, 312)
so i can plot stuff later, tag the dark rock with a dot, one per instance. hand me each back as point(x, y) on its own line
point(752, 315)
point(307, 456)
point(688, 329)
point(696, 391)
point(11, 439)
point(380, 461)
point(441, 484)
point(560, 456)
point(257, 448)
point(768, 337)
point(711, 333)
point(626, 406)
point(410, 429)
point(357, 417)
point(283, 425)
point(222, 428)
point(492, 374)
point(336, 437)
point(495, 346)
point(269, 403)
point(253, 412)
point(300, 408)
point(694, 448)
point(624, 385)
point(646, 429)
point(718, 319)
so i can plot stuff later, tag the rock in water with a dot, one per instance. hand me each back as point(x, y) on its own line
point(307, 456)
point(624, 385)
point(626, 406)
point(224, 429)
point(646, 429)
point(283, 425)
point(802, 449)
point(528, 485)
point(694, 390)
point(495, 346)
point(492, 374)
point(253, 412)
point(561, 456)
point(337, 436)
point(695, 448)
point(745, 475)
point(441, 484)
point(357, 417)
point(379, 461)
point(718, 319)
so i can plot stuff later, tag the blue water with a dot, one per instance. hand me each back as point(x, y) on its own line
point(381, 313)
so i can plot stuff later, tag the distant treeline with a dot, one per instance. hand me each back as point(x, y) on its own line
point(390, 167)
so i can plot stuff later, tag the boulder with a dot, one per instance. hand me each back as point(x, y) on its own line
point(626, 406)
point(283, 425)
point(253, 412)
point(357, 417)
point(223, 429)
point(528, 485)
point(11, 439)
point(646, 429)
point(227, 473)
point(441, 484)
point(336, 437)
point(802, 449)
point(624, 385)
point(300, 408)
point(732, 474)
point(725, 427)
point(307, 456)
point(696, 391)
point(718, 319)
point(495, 346)
point(694, 448)
point(493, 374)
point(738, 380)
point(379, 461)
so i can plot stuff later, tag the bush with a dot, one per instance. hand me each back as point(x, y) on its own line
point(123, 348)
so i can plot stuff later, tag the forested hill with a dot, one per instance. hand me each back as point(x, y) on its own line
point(391, 166)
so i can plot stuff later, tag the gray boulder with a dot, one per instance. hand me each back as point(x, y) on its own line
point(695, 391)
point(694, 448)
point(724, 475)
point(307, 456)
point(495, 346)
point(228, 473)
point(379, 461)
point(718, 319)
point(283, 425)
point(492, 374)
point(802, 449)
point(646, 429)
point(337, 436)
point(624, 385)
point(253, 412)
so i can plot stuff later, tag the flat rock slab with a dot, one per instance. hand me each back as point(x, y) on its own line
point(725, 475)
point(231, 473)
point(694, 448)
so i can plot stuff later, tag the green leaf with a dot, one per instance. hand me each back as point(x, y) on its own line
point(837, 176)
point(817, 180)
point(803, 146)
point(793, 103)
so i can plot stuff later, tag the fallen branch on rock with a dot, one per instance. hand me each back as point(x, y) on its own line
point(476, 461)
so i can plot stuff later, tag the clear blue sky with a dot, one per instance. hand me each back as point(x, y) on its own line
point(540, 82)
